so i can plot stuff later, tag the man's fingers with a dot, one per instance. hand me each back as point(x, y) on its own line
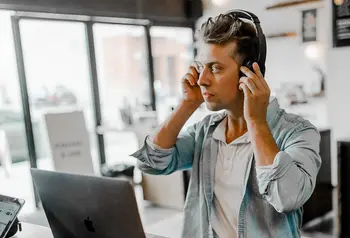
point(191, 76)
point(262, 80)
point(250, 74)
point(249, 83)
point(257, 70)
point(194, 71)
point(190, 79)
point(245, 89)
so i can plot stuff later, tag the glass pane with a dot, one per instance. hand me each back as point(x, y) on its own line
point(14, 159)
point(56, 63)
point(173, 53)
point(124, 86)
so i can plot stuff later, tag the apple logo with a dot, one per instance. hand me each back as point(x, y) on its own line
point(89, 225)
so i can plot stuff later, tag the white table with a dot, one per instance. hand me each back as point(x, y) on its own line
point(36, 231)
point(33, 231)
point(170, 227)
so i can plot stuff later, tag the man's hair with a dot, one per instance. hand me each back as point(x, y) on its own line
point(227, 28)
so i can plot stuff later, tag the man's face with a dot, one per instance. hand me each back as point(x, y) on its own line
point(219, 75)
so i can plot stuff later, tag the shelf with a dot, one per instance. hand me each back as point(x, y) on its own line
point(290, 4)
point(282, 35)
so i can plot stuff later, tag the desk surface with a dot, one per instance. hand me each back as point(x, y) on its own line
point(36, 231)
point(31, 231)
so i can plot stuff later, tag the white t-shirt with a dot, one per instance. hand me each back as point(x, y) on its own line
point(231, 166)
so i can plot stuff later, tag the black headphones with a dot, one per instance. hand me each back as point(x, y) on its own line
point(261, 46)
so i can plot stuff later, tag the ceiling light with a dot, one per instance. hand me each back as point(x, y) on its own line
point(219, 3)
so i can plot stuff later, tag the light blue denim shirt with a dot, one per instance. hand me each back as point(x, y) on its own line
point(273, 196)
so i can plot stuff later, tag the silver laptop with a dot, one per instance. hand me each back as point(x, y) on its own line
point(82, 206)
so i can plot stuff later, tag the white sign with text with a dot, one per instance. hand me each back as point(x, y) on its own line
point(69, 142)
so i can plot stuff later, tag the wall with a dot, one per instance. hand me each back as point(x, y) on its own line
point(338, 91)
point(286, 61)
point(175, 11)
point(338, 95)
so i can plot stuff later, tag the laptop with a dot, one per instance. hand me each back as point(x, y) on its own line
point(83, 206)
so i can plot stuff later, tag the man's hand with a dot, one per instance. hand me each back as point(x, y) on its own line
point(256, 100)
point(191, 90)
point(256, 95)
point(167, 133)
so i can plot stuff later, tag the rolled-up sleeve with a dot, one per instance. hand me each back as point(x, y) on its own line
point(153, 159)
point(290, 181)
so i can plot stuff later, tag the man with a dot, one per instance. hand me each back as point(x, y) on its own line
point(253, 165)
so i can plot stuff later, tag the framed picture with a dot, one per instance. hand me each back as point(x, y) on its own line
point(309, 25)
point(341, 23)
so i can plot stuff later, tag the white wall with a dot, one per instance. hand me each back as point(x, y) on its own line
point(286, 61)
point(338, 63)
point(338, 91)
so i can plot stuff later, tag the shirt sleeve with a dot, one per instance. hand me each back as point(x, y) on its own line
point(156, 160)
point(289, 182)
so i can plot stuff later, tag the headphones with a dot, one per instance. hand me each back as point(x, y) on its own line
point(260, 58)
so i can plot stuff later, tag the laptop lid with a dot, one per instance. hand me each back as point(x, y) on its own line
point(82, 206)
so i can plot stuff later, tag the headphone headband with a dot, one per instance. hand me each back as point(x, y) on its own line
point(261, 59)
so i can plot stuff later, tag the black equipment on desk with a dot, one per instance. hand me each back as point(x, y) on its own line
point(343, 196)
point(16, 226)
point(9, 210)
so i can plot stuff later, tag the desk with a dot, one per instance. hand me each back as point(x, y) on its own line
point(33, 231)
point(169, 227)
point(36, 231)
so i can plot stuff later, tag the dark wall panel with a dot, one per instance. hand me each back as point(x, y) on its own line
point(177, 10)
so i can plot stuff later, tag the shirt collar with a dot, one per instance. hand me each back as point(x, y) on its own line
point(219, 134)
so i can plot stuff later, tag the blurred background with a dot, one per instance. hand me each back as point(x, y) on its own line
point(120, 63)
